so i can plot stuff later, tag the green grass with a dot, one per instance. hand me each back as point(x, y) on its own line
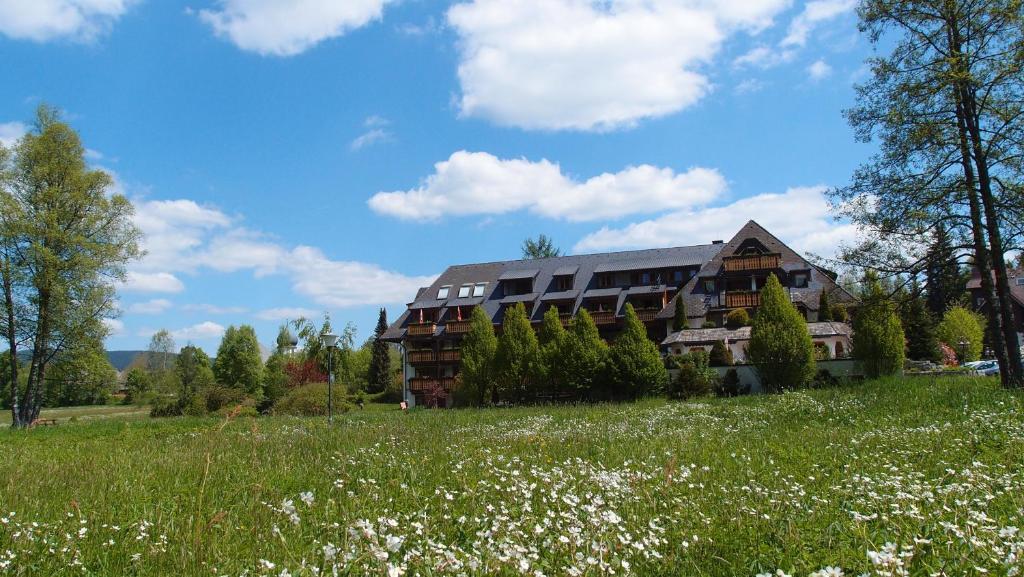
point(796, 482)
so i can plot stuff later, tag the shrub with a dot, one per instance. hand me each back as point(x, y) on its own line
point(195, 406)
point(729, 385)
point(679, 318)
point(823, 379)
point(721, 355)
point(948, 355)
point(737, 318)
point(694, 379)
point(780, 345)
point(824, 307)
point(634, 363)
point(960, 324)
point(839, 313)
point(165, 406)
point(822, 352)
point(877, 332)
point(218, 397)
point(708, 325)
point(309, 401)
point(247, 408)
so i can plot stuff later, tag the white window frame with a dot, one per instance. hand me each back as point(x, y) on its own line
point(465, 290)
point(442, 293)
point(479, 288)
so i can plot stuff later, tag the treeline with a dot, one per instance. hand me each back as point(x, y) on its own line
point(555, 363)
point(291, 381)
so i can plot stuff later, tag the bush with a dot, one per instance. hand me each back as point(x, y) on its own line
point(309, 401)
point(217, 397)
point(822, 352)
point(960, 324)
point(165, 406)
point(246, 408)
point(878, 340)
point(737, 318)
point(721, 355)
point(694, 379)
point(729, 385)
point(780, 345)
point(708, 325)
point(823, 379)
point(195, 406)
point(839, 313)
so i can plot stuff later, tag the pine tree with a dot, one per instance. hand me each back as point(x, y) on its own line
point(878, 340)
point(922, 344)
point(780, 345)
point(634, 364)
point(518, 356)
point(551, 339)
point(584, 356)
point(679, 319)
point(946, 284)
point(479, 347)
point(824, 307)
point(380, 361)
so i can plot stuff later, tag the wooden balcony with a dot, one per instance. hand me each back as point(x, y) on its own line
point(752, 262)
point(449, 355)
point(456, 327)
point(565, 318)
point(422, 329)
point(647, 315)
point(423, 384)
point(603, 317)
point(744, 299)
point(421, 357)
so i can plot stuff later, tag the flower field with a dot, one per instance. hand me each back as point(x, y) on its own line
point(897, 477)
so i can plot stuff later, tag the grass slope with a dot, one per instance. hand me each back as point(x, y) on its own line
point(887, 478)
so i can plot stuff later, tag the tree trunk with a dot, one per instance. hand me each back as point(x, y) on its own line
point(12, 342)
point(37, 369)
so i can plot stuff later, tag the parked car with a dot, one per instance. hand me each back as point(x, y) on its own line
point(974, 364)
point(987, 369)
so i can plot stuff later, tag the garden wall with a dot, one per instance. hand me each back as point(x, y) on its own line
point(842, 369)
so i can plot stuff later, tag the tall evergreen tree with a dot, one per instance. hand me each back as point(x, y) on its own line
point(551, 338)
point(479, 347)
point(919, 326)
point(65, 240)
point(380, 362)
point(518, 356)
point(780, 345)
point(824, 307)
point(878, 340)
point(543, 247)
point(944, 281)
point(238, 364)
point(679, 318)
point(634, 364)
point(584, 356)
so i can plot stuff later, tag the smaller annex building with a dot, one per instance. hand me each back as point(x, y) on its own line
point(834, 336)
point(712, 279)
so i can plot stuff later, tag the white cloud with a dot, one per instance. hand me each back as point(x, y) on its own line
point(10, 132)
point(370, 137)
point(151, 307)
point(815, 13)
point(288, 27)
point(800, 217)
point(114, 327)
point(288, 313)
point(203, 330)
point(480, 183)
point(819, 70)
point(183, 236)
point(764, 57)
point(592, 64)
point(156, 282)
point(213, 309)
point(749, 86)
point(42, 20)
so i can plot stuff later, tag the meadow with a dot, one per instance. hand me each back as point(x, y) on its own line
point(887, 478)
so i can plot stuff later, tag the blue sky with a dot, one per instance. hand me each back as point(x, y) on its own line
point(294, 157)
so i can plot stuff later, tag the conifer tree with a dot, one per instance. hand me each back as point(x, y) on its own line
point(824, 307)
point(780, 345)
point(380, 362)
point(679, 319)
point(518, 357)
point(720, 355)
point(584, 356)
point(877, 332)
point(478, 351)
point(551, 339)
point(919, 325)
point(634, 364)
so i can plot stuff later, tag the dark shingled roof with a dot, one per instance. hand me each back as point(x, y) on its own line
point(583, 266)
point(518, 274)
point(705, 336)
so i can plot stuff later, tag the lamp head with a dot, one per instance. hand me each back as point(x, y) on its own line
point(330, 340)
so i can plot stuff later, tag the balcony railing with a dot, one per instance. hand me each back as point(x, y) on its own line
point(744, 299)
point(422, 384)
point(566, 318)
point(752, 262)
point(422, 329)
point(421, 356)
point(603, 317)
point(449, 355)
point(457, 327)
point(647, 315)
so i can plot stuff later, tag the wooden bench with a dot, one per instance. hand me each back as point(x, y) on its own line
point(43, 422)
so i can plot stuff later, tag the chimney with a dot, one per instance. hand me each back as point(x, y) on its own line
point(717, 242)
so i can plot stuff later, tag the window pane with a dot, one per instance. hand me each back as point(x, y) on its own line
point(464, 291)
point(442, 293)
point(478, 290)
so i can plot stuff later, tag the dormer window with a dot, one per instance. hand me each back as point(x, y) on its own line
point(709, 285)
point(677, 276)
point(442, 293)
point(464, 290)
point(563, 283)
point(478, 290)
point(1020, 281)
point(800, 280)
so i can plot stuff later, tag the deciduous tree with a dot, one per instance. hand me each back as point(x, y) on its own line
point(238, 364)
point(960, 325)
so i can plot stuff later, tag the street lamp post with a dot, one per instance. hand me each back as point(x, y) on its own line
point(330, 340)
point(964, 343)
